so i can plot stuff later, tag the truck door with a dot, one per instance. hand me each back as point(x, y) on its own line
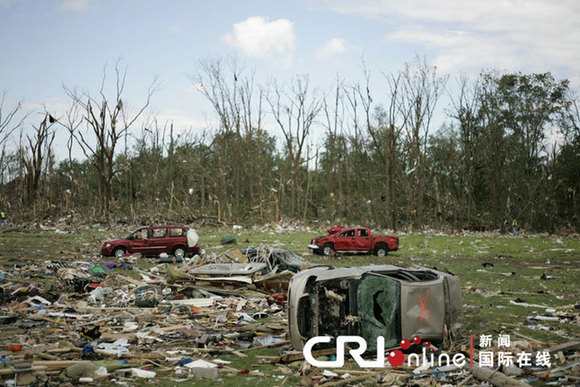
point(362, 240)
point(345, 240)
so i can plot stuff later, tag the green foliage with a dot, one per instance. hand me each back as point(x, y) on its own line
point(567, 179)
point(502, 160)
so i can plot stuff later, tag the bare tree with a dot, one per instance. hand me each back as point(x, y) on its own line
point(233, 97)
point(71, 121)
point(9, 121)
point(335, 153)
point(224, 95)
point(465, 109)
point(37, 158)
point(421, 88)
point(107, 119)
point(385, 134)
point(294, 112)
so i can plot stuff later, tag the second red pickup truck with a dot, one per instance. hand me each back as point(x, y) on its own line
point(353, 240)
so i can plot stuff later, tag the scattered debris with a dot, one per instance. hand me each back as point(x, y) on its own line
point(111, 320)
point(130, 321)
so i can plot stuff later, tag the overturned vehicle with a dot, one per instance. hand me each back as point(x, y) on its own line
point(371, 301)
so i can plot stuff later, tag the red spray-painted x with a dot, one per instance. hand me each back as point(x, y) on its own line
point(423, 302)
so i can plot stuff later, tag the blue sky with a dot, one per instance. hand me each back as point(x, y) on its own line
point(46, 44)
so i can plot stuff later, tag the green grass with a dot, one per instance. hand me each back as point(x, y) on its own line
point(487, 291)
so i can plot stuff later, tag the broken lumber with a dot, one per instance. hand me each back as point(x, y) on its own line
point(297, 355)
point(352, 380)
point(564, 347)
point(495, 377)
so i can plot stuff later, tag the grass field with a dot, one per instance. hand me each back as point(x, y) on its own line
point(518, 264)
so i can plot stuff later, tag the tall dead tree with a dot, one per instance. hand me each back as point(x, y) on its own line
point(252, 113)
point(294, 112)
point(421, 88)
point(10, 120)
point(385, 132)
point(71, 121)
point(465, 109)
point(233, 97)
point(170, 153)
point(333, 112)
point(107, 120)
point(37, 158)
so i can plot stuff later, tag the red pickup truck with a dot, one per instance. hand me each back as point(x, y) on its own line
point(353, 240)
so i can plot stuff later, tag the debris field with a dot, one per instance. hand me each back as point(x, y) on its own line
point(133, 320)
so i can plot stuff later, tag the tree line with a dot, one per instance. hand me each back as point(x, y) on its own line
point(509, 149)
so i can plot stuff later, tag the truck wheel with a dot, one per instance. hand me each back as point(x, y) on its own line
point(327, 250)
point(381, 250)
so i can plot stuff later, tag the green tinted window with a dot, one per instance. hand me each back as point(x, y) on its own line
point(379, 305)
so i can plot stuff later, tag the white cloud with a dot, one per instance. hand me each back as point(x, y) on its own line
point(528, 35)
point(260, 38)
point(75, 5)
point(331, 48)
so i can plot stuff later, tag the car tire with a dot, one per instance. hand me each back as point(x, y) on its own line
point(179, 252)
point(381, 251)
point(327, 249)
point(119, 252)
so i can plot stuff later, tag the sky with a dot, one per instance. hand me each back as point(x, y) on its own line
point(48, 44)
